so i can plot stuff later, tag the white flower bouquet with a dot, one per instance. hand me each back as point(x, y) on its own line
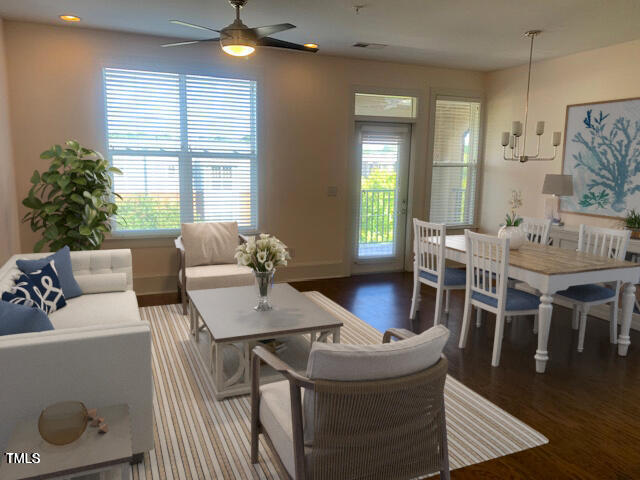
point(264, 254)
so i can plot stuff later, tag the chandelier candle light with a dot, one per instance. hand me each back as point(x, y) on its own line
point(512, 140)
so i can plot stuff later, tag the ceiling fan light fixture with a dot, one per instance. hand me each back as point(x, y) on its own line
point(238, 50)
point(238, 40)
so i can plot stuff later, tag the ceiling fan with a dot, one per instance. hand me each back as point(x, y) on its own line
point(239, 40)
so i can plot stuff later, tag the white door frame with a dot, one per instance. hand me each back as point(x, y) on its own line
point(416, 163)
point(397, 261)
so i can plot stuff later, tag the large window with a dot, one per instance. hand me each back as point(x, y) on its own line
point(455, 161)
point(186, 145)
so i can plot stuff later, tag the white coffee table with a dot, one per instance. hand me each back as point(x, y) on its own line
point(235, 328)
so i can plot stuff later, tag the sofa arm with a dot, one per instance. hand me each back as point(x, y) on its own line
point(103, 261)
point(99, 366)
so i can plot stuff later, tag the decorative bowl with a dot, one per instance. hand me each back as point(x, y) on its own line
point(63, 423)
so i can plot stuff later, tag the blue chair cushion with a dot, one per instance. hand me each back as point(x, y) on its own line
point(38, 289)
point(588, 293)
point(452, 276)
point(62, 259)
point(516, 300)
point(22, 319)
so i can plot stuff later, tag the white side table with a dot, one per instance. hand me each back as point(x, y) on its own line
point(105, 455)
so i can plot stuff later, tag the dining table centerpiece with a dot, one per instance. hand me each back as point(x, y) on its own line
point(512, 228)
point(263, 255)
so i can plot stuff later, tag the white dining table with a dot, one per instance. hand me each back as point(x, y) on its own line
point(551, 269)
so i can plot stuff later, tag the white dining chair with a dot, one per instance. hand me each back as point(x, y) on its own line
point(429, 267)
point(606, 242)
point(486, 287)
point(536, 230)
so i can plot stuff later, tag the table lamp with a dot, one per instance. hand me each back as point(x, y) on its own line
point(558, 186)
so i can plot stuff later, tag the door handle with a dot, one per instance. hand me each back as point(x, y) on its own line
point(403, 207)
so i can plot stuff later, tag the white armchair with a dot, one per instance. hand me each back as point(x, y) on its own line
point(202, 277)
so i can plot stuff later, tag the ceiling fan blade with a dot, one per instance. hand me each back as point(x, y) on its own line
point(190, 42)
point(271, 29)
point(193, 25)
point(274, 42)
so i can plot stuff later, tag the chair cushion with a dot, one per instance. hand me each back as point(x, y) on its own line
point(452, 276)
point(588, 293)
point(97, 309)
point(218, 276)
point(330, 361)
point(275, 417)
point(210, 243)
point(62, 260)
point(16, 318)
point(516, 300)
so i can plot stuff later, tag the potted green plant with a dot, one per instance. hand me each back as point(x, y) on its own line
point(511, 228)
point(72, 202)
point(632, 222)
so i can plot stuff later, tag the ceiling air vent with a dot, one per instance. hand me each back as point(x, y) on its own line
point(371, 46)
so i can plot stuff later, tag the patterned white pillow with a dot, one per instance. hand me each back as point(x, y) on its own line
point(38, 289)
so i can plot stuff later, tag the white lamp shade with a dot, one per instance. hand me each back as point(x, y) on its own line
point(559, 185)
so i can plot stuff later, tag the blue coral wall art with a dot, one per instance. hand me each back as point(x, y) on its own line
point(602, 152)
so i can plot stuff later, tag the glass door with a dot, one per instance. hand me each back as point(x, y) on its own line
point(383, 155)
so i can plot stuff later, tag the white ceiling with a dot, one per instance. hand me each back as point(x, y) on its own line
point(472, 34)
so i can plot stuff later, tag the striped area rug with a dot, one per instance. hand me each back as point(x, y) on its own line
point(197, 436)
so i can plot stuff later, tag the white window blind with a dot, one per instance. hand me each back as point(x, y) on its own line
point(187, 147)
point(455, 162)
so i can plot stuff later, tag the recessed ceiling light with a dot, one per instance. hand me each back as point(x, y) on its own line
point(311, 45)
point(70, 18)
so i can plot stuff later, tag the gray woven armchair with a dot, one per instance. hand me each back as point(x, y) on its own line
point(391, 428)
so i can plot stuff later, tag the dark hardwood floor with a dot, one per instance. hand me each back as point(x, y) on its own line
point(587, 404)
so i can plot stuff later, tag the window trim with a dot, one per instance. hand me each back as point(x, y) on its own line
point(201, 70)
point(455, 95)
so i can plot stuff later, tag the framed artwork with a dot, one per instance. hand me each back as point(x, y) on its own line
point(602, 152)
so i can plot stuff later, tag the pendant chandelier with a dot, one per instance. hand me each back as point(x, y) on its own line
point(512, 140)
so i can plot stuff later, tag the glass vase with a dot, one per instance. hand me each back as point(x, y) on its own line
point(264, 282)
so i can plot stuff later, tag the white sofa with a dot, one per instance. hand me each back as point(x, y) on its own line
point(99, 353)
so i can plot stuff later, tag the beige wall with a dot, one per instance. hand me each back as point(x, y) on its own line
point(305, 128)
point(9, 236)
point(602, 74)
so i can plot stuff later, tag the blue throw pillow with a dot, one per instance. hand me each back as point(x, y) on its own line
point(22, 319)
point(62, 258)
point(40, 289)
